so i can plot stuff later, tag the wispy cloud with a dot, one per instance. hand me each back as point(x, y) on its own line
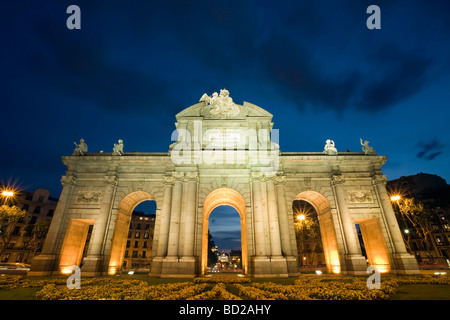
point(429, 150)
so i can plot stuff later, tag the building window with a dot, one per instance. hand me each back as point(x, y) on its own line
point(129, 234)
point(138, 227)
point(33, 220)
point(137, 234)
point(126, 253)
point(128, 243)
point(37, 209)
point(11, 245)
point(50, 213)
point(19, 257)
point(16, 231)
point(135, 253)
point(446, 227)
point(144, 245)
point(146, 235)
point(5, 257)
point(136, 244)
point(439, 241)
point(41, 199)
point(143, 254)
point(25, 206)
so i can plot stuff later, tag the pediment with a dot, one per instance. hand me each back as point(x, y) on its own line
point(204, 111)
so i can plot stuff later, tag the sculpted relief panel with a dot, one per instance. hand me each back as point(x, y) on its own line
point(360, 196)
point(89, 196)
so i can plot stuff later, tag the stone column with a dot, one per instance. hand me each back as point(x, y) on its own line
point(404, 262)
point(174, 229)
point(283, 215)
point(163, 235)
point(355, 262)
point(274, 227)
point(278, 263)
point(186, 265)
point(258, 220)
point(190, 212)
point(168, 182)
point(379, 182)
point(93, 261)
point(44, 264)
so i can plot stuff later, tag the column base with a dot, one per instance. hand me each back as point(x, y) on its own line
point(265, 267)
point(156, 267)
point(292, 266)
point(174, 267)
point(43, 265)
point(406, 264)
point(92, 266)
point(355, 265)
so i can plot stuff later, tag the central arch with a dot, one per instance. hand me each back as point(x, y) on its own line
point(220, 197)
point(327, 231)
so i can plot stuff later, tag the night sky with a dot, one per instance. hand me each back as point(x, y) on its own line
point(134, 64)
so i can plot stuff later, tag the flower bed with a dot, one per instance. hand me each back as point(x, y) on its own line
point(217, 292)
point(222, 280)
point(304, 288)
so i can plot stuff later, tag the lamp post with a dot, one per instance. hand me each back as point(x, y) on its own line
point(301, 218)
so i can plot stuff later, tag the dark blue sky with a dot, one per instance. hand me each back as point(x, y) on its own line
point(135, 64)
point(225, 228)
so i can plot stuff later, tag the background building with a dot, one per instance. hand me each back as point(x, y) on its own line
point(24, 244)
point(138, 250)
point(434, 192)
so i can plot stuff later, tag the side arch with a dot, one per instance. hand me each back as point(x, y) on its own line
point(220, 197)
point(122, 224)
point(327, 230)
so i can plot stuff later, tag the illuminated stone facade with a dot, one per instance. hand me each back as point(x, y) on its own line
point(224, 154)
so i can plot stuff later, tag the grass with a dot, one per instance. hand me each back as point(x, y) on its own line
point(422, 292)
point(19, 294)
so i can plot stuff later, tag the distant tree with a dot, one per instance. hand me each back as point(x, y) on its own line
point(36, 232)
point(307, 230)
point(413, 216)
point(9, 217)
point(212, 257)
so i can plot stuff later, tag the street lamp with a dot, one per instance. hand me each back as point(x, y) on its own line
point(7, 194)
point(301, 217)
point(395, 198)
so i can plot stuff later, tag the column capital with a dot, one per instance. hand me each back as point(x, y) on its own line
point(337, 179)
point(178, 175)
point(191, 176)
point(111, 180)
point(255, 176)
point(168, 180)
point(379, 179)
point(279, 180)
point(68, 180)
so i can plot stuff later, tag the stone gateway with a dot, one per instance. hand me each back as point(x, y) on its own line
point(223, 154)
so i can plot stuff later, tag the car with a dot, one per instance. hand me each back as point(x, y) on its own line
point(14, 268)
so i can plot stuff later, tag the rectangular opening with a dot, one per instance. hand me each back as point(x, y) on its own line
point(372, 243)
